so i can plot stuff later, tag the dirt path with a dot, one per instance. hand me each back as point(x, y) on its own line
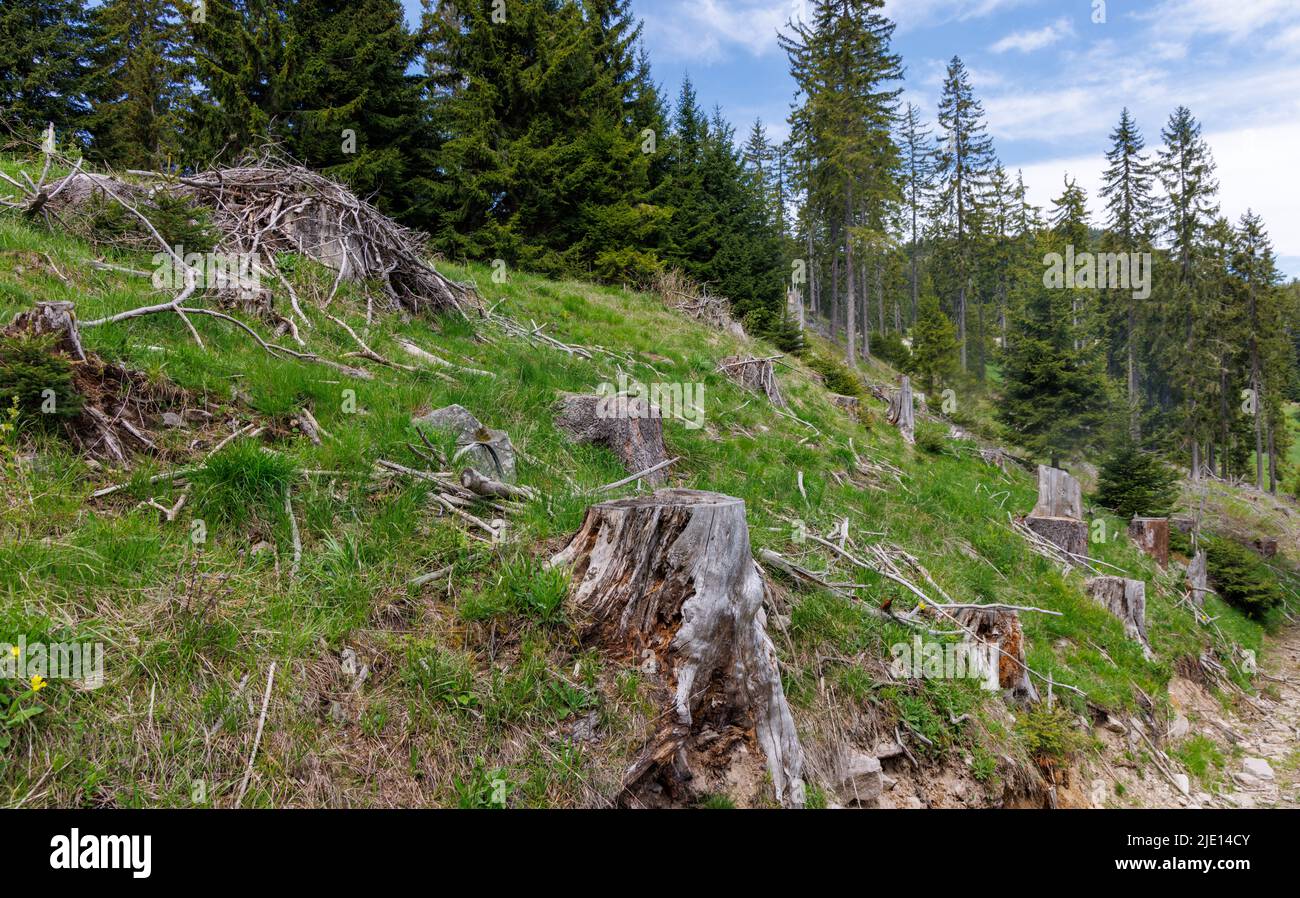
point(1264, 766)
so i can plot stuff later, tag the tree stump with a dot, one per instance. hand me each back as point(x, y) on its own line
point(1000, 629)
point(1127, 600)
point(52, 318)
point(1058, 516)
point(902, 411)
point(1266, 546)
point(1198, 578)
point(1152, 537)
point(758, 375)
point(667, 582)
point(631, 426)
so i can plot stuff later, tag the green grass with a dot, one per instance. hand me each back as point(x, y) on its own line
point(467, 687)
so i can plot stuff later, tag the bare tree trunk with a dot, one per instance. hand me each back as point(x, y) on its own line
point(849, 346)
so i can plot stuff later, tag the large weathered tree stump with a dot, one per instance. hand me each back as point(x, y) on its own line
point(1058, 516)
point(1152, 537)
point(667, 582)
point(902, 411)
point(1000, 630)
point(1198, 582)
point(1127, 600)
point(631, 426)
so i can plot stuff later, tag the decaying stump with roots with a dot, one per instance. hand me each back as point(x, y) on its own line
point(1127, 600)
point(667, 582)
point(631, 426)
point(116, 407)
point(1198, 581)
point(758, 375)
point(1000, 629)
point(1058, 516)
point(1152, 537)
point(902, 411)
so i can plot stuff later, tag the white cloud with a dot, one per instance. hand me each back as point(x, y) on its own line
point(1235, 20)
point(927, 13)
point(705, 30)
point(1035, 39)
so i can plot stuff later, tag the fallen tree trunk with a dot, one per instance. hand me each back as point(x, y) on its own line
point(667, 582)
point(902, 411)
point(1126, 600)
point(1152, 537)
point(628, 425)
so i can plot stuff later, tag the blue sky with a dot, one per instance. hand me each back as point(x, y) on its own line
point(1052, 80)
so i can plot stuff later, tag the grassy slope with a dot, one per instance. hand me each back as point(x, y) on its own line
point(469, 687)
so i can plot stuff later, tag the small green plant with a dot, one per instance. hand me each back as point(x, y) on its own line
point(838, 377)
point(1049, 733)
point(37, 380)
point(19, 709)
point(1241, 577)
point(241, 480)
point(440, 675)
point(716, 802)
point(890, 347)
point(524, 587)
point(483, 788)
point(1202, 759)
point(932, 439)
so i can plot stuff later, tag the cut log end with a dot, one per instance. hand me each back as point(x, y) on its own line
point(667, 581)
point(1064, 533)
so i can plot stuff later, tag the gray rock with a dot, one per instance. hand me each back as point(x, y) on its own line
point(862, 781)
point(1183, 783)
point(1258, 768)
point(493, 457)
point(1179, 727)
point(171, 419)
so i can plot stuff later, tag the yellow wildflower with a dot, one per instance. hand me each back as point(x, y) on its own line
point(38, 683)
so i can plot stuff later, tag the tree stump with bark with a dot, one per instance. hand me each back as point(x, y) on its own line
point(902, 411)
point(1152, 537)
point(1000, 630)
point(1058, 516)
point(1126, 600)
point(631, 426)
point(1198, 578)
point(667, 582)
point(1266, 546)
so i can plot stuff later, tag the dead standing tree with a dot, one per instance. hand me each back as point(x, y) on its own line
point(1058, 516)
point(667, 582)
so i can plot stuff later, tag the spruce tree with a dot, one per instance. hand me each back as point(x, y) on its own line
point(1126, 188)
point(918, 175)
point(1133, 483)
point(1056, 396)
point(45, 46)
point(966, 161)
point(140, 89)
point(934, 359)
